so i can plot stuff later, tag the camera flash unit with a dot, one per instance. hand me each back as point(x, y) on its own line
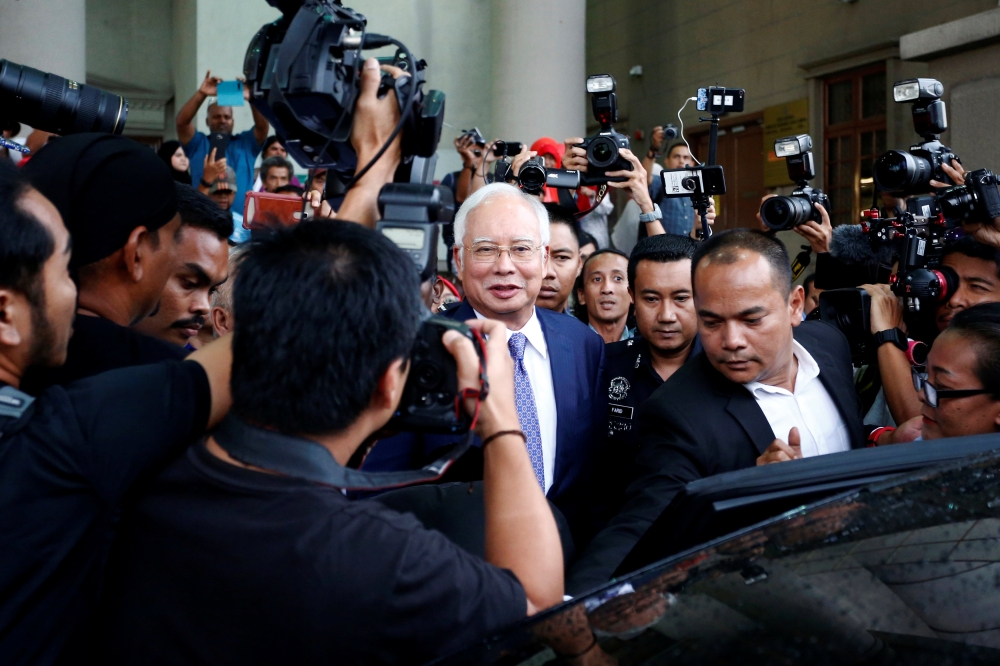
point(790, 146)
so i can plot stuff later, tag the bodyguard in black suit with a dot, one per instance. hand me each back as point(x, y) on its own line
point(729, 408)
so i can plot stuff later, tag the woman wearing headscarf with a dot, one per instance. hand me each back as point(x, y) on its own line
point(173, 154)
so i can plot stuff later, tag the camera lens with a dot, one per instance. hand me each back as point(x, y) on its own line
point(54, 104)
point(428, 376)
point(900, 171)
point(781, 213)
point(602, 152)
point(957, 203)
point(532, 177)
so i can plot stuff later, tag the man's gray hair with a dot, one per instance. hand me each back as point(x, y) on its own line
point(223, 296)
point(493, 191)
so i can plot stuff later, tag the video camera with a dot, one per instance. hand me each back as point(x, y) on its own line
point(903, 173)
point(53, 104)
point(304, 74)
point(701, 182)
point(783, 213)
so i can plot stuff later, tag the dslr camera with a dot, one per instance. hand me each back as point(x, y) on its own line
point(976, 201)
point(903, 172)
point(783, 213)
point(304, 76)
point(603, 148)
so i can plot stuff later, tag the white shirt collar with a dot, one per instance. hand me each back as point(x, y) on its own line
point(532, 331)
point(808, 370)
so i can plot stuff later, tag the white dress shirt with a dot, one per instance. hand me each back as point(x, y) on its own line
point(539, 369)
point(809, 408)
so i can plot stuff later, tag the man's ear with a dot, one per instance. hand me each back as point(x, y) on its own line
point(14, 310)
point(390, 385)
point(796, 302)
point(631, 294)
point(136, 253)
point(438, 290)
point(222, 322)
point(579, 266)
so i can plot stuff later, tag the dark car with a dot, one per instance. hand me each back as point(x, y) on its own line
point(901, 571)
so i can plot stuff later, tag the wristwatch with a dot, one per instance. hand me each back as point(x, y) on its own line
point(204, 184)
point(653, 216)
point(893, 335)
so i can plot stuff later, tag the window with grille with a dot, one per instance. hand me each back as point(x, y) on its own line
point(854, 131)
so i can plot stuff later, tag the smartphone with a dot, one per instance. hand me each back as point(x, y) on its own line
point(263, 209)
point(220, 142)
point(513, 148)
point(229, 93)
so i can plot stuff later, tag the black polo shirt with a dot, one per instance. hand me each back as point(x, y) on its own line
point(629, 379)
point(219, 564)
point(65, 467)
point(99, 345)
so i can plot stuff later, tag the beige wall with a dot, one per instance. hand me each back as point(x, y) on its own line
point(759, 45)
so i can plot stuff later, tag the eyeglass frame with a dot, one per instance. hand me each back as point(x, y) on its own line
point(934, 395)
point(500, 251)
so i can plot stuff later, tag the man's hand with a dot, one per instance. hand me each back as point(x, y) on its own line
point(656, 138)
point(209, 87)
point(374, 121)
point(212, 168)
point(636, 183)
point(955, 171)
point(520, 159)
point(907, 432)
point(886, 310)
point(575, 157)
point(497, 412)
point(819, 233)
point(780, 452)
point(321, 209)
point(466, 148)
point(709, 217)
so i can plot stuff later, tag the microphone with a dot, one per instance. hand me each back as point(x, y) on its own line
point(852, 261)
point(850, 245)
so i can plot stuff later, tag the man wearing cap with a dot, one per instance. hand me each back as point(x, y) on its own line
point(223, 192)
point(119, 204)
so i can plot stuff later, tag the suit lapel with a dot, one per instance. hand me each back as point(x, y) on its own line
point(742, 406)
point(560, 353)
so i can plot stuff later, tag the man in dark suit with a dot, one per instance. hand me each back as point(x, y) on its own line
point(767, 388)
point(501, 251)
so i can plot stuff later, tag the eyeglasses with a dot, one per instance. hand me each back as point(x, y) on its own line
point(933, 395)
point(486, 253)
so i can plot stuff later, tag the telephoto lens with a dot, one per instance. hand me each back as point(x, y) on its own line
point(784, 213)
point(53, 104)
point(900, 171)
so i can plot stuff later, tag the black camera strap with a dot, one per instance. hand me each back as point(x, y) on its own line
point(305, 459)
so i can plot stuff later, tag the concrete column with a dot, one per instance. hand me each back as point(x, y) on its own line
point(539, 69)
point(50, 35)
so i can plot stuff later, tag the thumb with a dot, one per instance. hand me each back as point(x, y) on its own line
point(794, 440)
point(371, 75)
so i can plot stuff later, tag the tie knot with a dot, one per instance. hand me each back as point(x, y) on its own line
point(516, 345)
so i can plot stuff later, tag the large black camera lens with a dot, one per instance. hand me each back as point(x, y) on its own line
point(532, 175)
point(54, 104)
point(782, 213)
point(900, 171)
point(957, 203)
point(602, 152)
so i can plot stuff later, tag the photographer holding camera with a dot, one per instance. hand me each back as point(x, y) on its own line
point(288, 570)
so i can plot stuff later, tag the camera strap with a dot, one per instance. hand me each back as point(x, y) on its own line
point(306, 459)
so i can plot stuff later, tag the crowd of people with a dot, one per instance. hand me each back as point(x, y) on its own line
point(165, 375)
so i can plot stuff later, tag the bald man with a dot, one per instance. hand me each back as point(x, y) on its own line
point(243, 147)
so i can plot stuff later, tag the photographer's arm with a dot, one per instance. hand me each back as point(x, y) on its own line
point(185, 117)
point(521, 532)
point(893, 365)
point(478, 177)
point(260, 125)
point(466, 148)
point(638, 188)
point(374, 121)
point(655, 142)
point(217, 360)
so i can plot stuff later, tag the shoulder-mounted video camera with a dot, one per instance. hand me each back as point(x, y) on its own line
point(304, 74)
